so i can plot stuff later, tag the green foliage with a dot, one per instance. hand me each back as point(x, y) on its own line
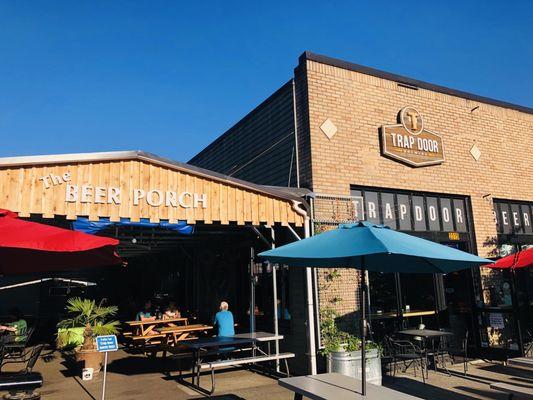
point(319, 228)
point(334, 339)
point(330, 333)
point(85, 313)
point(332, 275)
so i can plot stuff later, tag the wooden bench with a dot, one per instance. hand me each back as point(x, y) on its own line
point(148, 337)
point(521, 392)
point(145, 340)
point(211, 366)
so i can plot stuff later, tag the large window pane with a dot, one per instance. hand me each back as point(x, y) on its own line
point(383, 304)
point(418, 292)
point(383, 299)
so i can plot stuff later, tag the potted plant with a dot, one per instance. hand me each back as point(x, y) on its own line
point(343, 351)
point(86, 321)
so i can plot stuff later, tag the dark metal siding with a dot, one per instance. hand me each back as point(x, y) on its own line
point(259, 148)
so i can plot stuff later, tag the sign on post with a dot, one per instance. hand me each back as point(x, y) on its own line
point(105, 344)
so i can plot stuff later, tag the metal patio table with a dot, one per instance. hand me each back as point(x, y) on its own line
point(428, 335)
point(333, 386)
point(210, 346)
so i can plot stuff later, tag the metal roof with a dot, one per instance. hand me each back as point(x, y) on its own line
point(278, 192)
point(307, 55)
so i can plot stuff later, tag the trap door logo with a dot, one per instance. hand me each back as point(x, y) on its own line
point(410, 142)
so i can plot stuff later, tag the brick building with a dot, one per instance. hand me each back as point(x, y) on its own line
point(443, 164)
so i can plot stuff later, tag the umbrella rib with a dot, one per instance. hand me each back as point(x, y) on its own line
point(380, 241)
point(438, 270)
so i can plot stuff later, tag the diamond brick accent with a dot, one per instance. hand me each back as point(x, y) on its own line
point(475, 152)
point(329, 128)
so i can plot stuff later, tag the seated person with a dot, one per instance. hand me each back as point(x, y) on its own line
point(171, 311)
point(15, 330)
point(224, 321)
point(146, 313)
point(257, 311)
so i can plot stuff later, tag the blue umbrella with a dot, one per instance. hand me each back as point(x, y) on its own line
point(366, 246)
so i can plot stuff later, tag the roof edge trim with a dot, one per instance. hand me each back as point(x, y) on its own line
point(335, 62)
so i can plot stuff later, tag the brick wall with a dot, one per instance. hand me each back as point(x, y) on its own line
point(358, 104)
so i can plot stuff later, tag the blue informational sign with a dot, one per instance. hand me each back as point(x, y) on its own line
point(106, 343)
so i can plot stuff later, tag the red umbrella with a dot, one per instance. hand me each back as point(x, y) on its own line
point(520, 259)
point(29, 247)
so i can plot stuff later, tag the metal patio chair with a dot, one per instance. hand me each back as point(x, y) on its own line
point(19, 343)
point(528, 345)
point(387, 358)
point(22, 384)
point(29, 357)
point(453, 350)
point(409, 354)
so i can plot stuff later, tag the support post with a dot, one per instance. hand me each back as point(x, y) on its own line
point(105, 375)
point(311, 342)
point(252, 290)
point(275, 295)
point(310, 311)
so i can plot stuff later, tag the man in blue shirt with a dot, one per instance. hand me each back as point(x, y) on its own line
point(224, 321)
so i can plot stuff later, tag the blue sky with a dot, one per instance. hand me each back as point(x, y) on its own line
point(169, 76)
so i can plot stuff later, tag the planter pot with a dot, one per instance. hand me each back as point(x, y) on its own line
point(92, 358)
point(349, 364)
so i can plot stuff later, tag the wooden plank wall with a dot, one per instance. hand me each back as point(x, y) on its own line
point(23, 192)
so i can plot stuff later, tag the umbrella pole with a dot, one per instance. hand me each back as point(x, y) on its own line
point(363, 327)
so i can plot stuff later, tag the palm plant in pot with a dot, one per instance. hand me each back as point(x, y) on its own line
point(343, 350)
point(85, 321)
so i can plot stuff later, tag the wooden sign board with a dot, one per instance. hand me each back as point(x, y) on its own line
point(409, 142)
point(136, 189)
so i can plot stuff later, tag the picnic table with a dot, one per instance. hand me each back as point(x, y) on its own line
point(513, 391)
point(228, 345)
point(147, 327)
point(261, 337)
point(523, 362)
point(176, 334)
point(145, 331)
point(428, 335)
point(338, 387)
